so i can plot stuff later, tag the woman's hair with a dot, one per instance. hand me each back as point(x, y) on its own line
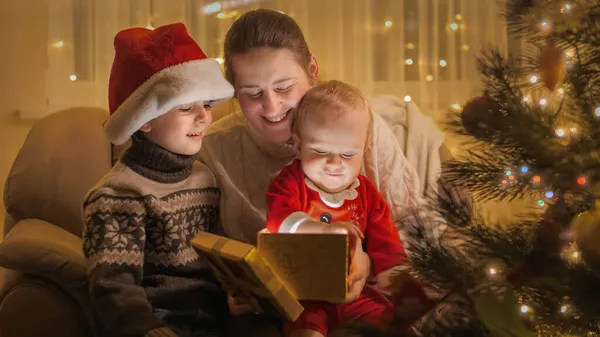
point(264, 28)
point(331, 97)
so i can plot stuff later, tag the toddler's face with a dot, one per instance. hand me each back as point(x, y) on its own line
point(331, 148)
point(181, 129)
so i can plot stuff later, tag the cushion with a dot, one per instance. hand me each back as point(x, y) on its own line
point(64, 155)
point(41, 248)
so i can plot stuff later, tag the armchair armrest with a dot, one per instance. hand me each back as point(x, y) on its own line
point(38, 247)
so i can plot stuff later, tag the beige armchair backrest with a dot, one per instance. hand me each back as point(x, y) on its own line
point(64, 155)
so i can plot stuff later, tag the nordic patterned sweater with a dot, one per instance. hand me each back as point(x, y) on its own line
point(139, 220)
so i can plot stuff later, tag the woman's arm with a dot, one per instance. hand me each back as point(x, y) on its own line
point(397, 181)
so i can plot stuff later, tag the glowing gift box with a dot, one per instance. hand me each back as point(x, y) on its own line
point(284, 269)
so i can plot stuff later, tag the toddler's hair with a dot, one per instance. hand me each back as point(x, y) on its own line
point(331, 97)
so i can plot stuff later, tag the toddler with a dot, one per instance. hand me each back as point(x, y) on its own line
point(322, 191)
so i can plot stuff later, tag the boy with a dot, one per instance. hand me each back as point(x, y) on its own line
point(145, 278)
point(323, 192)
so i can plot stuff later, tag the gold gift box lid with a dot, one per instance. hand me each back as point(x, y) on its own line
point(243, 267)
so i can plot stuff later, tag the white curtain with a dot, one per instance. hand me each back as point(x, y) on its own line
point(424, 49)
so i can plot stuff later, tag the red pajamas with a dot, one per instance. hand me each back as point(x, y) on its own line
point(371, 307)
point(290, 200)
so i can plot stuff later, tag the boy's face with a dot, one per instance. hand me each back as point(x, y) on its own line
point(181, 129)
point(331, 148)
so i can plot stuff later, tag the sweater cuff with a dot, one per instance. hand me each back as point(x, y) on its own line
point(292, 222)
point(161, 332)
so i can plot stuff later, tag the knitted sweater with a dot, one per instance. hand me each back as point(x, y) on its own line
point(139, 220)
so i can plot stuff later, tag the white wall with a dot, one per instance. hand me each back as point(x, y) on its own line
point(23, 41)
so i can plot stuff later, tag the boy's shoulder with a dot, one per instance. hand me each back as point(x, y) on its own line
point(119, 181)
point(202, 176)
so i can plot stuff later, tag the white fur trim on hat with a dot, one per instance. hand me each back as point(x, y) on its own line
point(197, 80)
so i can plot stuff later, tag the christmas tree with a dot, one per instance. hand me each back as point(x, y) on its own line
point(534, 133)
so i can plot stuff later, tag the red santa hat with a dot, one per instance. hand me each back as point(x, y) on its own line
point(155, 71)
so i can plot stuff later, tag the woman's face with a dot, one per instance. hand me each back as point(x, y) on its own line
point(269, 83)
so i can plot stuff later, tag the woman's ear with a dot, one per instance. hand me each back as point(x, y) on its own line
point(146, 127)
point(313, 69)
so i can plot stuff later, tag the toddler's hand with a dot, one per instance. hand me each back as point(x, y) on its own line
point(348, 228)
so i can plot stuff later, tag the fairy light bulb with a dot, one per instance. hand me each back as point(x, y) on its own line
point(443, 63)
point(407, 98)
point(543, 101)
point(541, 203)
point(493, 271)
point(560, 132)
point(454, 26)
point(524, 169)
point(508, 173)
point(563, 309)
point(581, 180)
point(59, 44)
point(575, 255)
point(533, 79)
point(524, 308)
point(408, 61)
point(536, 179)
point(549, 194)
point(73, 77)
point(597, 112)
point(388, 24)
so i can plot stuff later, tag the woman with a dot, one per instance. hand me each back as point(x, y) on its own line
point(271, 68)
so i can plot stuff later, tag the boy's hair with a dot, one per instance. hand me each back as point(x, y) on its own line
point(331, 97)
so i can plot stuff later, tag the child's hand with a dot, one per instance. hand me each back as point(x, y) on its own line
point(349, 228)
point(238, 305)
